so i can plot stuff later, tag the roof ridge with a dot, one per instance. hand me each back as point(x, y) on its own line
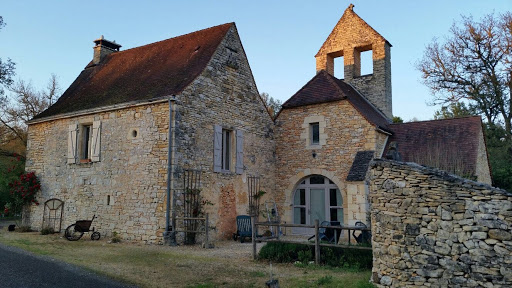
point(172, 38)
point(445, 119)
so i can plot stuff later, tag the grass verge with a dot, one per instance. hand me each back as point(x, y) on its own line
point(227, 265)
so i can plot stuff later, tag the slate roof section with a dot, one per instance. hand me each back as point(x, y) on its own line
point(452, 142)
point(324, 88)
point(360, 166)
point(147, 72)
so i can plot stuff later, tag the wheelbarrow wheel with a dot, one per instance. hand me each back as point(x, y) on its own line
point(73, 232)
point(95, 236)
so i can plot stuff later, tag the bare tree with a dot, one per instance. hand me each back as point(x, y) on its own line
point(474, 64)
point(6, 70)
point(23, 103)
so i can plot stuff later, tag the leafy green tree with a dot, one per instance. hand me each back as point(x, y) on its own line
point(454, 110)
point(499, 149)
point(273, 105)
point(397, 119)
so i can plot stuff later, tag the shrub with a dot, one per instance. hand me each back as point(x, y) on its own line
point(331, 256)
point(22, 192)
point(115, 237)
point(47, 230)
point(24, 229)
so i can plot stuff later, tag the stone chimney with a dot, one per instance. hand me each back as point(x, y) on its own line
point(103, 48)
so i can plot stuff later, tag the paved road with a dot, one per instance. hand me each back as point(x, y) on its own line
point(22, 269)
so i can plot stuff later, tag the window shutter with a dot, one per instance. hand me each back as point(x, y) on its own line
point(72, 140)
point(217, 148)
point(239, 152)
point(96, 141)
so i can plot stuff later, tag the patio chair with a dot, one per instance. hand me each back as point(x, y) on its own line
point(330, 235)
point(243, 228)
point(365, 237)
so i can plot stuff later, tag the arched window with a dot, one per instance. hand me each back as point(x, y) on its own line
point(317, 197)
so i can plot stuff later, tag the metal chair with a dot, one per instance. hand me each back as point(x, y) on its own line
point(365, 237)
point(330, 235)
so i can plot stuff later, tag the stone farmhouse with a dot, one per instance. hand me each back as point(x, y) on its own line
point(102, 148)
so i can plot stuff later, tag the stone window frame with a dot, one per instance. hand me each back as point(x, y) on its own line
point(307, 132)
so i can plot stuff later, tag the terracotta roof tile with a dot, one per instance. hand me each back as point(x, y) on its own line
point(147, 72)
point(448, 144)
point(325, 88)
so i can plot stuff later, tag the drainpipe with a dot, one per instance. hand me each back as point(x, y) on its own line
point(170, 236)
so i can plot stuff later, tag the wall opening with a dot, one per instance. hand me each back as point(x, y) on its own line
point(366, 62)
point(339, 67)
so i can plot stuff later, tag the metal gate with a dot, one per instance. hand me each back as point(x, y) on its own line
point(52, 216)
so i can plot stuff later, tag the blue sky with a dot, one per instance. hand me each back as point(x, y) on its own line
point(280, 37)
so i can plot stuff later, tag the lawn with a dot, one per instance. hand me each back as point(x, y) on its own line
point(229, 264)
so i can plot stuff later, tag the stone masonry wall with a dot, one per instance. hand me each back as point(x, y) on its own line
point(346, 132)
point(433, 229)
point(225, 94)
point(130, 172)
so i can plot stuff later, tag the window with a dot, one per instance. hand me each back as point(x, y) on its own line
point(84, 142)
point(315, 133)
point(226, 149)
point(225, 154)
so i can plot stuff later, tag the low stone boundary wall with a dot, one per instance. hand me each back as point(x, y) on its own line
point(433, 229)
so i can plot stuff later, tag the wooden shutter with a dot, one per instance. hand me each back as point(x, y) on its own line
point(239, 168)
point(72, 140)
point(217, 148)
point(96, 141)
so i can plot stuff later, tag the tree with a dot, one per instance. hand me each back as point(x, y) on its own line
point(6, 70)
point(23, 103)
point(397, 119)
point(454, 110)
point(474, 64)
point(273, 105)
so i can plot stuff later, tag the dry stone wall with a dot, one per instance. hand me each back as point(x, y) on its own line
point(433, 229)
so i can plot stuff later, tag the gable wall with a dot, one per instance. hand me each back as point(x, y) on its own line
point(226, 96)
point(482, 169)
point(347, 132)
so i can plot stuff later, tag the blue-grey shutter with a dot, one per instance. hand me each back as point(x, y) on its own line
point(239, 168)
point(217, 148)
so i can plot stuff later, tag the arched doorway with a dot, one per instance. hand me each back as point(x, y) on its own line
point(316, 197)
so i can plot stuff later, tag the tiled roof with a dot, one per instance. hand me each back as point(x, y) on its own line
point(325, 88)
point(159, 69)
point(448, 144)
point(360, 166)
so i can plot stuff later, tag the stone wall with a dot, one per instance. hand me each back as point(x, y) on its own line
point(433, 229)
point(345, 133)
point(126, 189)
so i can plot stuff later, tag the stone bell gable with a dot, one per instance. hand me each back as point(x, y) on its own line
point(351, 36)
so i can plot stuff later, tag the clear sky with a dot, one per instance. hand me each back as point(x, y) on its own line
point(280, 37)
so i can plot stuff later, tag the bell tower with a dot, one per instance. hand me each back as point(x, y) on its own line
point(350, 37)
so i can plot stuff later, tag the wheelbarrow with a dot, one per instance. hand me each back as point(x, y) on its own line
point(75, 231)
